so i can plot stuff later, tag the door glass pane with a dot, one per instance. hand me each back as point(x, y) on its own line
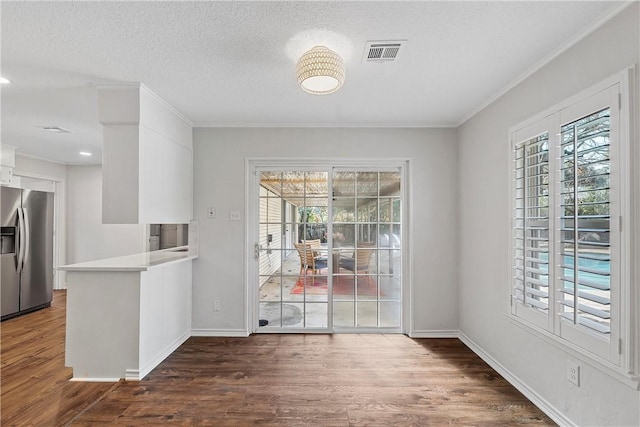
point(316, 315)
point(390, 314)
point(367, 250)
point(271, 312)
point(367, 183)
point(344, 235)
point(390, 184)
point(343, 314)
point(367, 209)
point(389, 261)
point(367, 288)
point(274, 284)
point(344, 184)
point(293, 263)
point(390, 287)
point(367, 313)
point(367, 233)
point(344, 210)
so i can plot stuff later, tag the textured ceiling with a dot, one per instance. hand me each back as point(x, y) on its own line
point(232, 63)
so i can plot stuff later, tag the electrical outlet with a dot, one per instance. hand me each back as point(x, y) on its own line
point(211, 213)
point(216, 305)
point(573, 373)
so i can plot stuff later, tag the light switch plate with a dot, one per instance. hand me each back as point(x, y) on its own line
point(211, 212)
point(234, 215)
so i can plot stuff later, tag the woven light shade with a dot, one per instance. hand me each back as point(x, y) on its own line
point(320, 71)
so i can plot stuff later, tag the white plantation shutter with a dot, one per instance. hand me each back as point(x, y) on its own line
point(531, 228)
point(589, 249)
point(585, 219)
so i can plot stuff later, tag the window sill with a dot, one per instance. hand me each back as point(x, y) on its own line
point(607, 368)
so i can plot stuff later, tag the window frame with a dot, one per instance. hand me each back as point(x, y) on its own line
point(620, 356)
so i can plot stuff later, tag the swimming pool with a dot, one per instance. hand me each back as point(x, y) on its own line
point(593, 272)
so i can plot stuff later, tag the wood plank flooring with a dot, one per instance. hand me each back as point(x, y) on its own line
point(35, 388)
point(328, 380)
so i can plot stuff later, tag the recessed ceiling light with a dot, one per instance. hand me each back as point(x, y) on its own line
point(56, 129)
point(4, 81)
point(85, 153)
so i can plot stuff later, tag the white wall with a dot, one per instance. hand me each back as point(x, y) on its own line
point(35, 168)
point(87, 237)
point(219, 182)
point(484, 218)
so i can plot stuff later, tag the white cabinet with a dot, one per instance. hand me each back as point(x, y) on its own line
point(165, 315)
point(165, 179)
point(122, 322)
point(7, 163)
point(147, 158)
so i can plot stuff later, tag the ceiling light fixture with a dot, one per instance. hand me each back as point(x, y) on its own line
point(56, 129)
point(320, 71)
point(4, 81)
point(85, 153)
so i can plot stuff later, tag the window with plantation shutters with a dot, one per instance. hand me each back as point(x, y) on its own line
point(531, 224)
point(570, 195)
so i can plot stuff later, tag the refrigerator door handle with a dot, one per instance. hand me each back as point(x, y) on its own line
point(21, 239)
point(27, 237)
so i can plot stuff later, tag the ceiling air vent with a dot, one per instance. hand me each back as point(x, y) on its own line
point(383, 51)
point(55, 129)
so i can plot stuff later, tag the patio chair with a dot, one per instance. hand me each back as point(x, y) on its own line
point(309, 259)
point(317, 253)
point(315, 245)
point(360, 261)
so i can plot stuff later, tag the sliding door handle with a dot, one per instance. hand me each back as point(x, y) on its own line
point(257, 247)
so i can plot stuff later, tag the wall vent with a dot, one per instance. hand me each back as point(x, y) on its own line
point(383, 51)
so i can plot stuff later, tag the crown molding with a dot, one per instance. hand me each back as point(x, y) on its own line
point(327, 125)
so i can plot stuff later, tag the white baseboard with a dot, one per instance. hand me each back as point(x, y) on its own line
point(132, 375)
point(446, 333)
point(240, 333)
point(139, 374)
point(159, 358)
point(95, 380)
point(522, 387)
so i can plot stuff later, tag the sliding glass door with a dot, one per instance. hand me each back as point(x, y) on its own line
point(329, 250)
point(367, 250)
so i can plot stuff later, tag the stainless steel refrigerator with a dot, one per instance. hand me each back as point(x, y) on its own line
point(26, 248)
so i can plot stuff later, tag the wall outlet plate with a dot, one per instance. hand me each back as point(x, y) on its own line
point(573, 372)
point(211, 212)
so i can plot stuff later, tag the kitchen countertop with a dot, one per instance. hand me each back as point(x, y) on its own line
point(137, 262)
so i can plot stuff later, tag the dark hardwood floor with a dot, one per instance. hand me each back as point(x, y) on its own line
point(328, 380)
